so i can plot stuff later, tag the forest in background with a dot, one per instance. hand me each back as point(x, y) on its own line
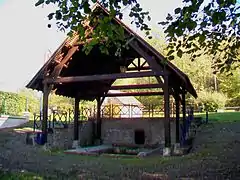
point(215, 90)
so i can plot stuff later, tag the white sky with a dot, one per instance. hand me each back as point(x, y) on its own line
point(25, 38)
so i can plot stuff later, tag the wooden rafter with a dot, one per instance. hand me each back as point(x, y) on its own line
point(134, 64)
point(143, 64)
point(57, 70)
point(150, 59)
point(139, 64)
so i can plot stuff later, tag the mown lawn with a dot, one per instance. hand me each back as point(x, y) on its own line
point(222, 116)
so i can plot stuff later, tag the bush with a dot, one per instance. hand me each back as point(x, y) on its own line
point(233, 102)
point(211, 101)
point(11, 103)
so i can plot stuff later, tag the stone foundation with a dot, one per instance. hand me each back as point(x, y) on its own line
point(115, 131)
point(122, 131)
point(62, 138)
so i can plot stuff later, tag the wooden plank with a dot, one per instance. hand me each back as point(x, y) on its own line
point(134, 94)
point(76, 118)
point(136, 86)
point(101, 77)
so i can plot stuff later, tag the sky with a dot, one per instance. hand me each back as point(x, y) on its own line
point(25, 38)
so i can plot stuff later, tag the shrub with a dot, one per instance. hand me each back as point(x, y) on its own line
point(211, 101)
point(233, 102)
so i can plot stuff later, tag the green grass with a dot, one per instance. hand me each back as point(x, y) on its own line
point(108, 166)
point(19, 176)
point(222, 116)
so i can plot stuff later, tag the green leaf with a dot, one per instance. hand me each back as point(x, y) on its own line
point(169, 17)
point(39, 2)
point(163, 23)
point(191, 25)
point(202, 38)
point(180, 53)
point(58, 15)
point(50, 16)
point(177, 11)
point(171, 58)
point(86, 8)
point(170, 52)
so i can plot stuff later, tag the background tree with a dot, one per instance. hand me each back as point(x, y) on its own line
point(205, 27)
point(60, 103)
point(230, 85)
point(31, 98)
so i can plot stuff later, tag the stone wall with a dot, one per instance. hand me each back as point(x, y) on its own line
point(114, 131)
point(62, 138)
point(122, 131)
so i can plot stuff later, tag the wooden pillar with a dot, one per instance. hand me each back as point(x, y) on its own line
point(99, 121)
point(177, 103)
point(76, 119)
point(46, 91)
point(167, 127)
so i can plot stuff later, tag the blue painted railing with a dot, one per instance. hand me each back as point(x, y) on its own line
point(186, 127)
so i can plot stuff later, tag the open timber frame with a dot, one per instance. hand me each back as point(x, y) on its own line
point(72, 73)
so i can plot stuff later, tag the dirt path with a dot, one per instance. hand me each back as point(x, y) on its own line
point(215, 156)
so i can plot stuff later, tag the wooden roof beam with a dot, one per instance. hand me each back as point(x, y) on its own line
point(134, 94)
point(136, 86)
point(101, 77)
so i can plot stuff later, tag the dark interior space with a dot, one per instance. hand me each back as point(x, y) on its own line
point(139, 135)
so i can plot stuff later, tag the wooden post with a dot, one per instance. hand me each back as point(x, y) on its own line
point(177, 118)
point(167, 127)
point(46, 91)
point(76, 119)
point(206, 116)
point(99, 121)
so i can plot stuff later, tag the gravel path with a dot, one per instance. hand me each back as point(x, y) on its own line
point(215, 156)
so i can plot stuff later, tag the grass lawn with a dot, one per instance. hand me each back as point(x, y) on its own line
point(18, 176)
point(211, 158)
point(221, 116)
